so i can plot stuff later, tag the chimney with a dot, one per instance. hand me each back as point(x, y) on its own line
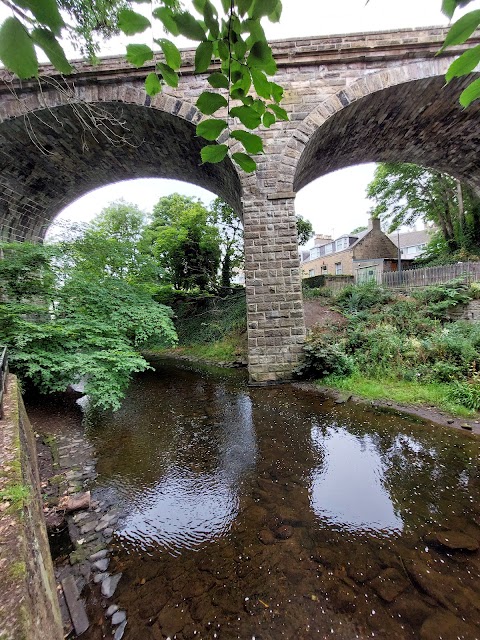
point(374, 224)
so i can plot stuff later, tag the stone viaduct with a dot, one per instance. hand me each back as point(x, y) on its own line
point(351, 99)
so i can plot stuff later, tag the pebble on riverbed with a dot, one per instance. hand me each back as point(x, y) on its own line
point(110, 584)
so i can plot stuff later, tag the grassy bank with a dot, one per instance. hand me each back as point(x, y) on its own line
point(402, 348)
point(399, 391)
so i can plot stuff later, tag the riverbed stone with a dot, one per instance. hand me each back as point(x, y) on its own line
point(118, 617)
point(389, 584)
point(447, 626)
point(111, 610)
point(266, 537)
point(120, 631)
point(101, 565)
point(110, 584)
point(284, 532)
point(455, 541)
point(99, 555)
point(100, 577)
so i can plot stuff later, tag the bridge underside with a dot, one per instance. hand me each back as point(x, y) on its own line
point(420, 122)
point(53, 157)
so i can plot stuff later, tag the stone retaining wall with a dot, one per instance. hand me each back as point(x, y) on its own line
point(28, 606)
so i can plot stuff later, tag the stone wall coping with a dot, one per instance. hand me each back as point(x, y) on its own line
point(402, 44)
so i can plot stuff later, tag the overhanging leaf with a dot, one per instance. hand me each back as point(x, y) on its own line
point(16, 49)
point(278, 111)
point(268, 119)
point(247, 163)
point(46, 12)
point(261, 57)
point(276, 14)
point(203, 56)
point(462, 29)
point(214, 153)
point(131, 22)
point(243, 6)
point(52, 48)
point(188, 26)
point(172, 55)
point(218, 81)
point(211, 129)
point(168, 74)
point(263, 8)
point(247, 116)
point(471, 93)
point(464, 64)
point(251, 142)
point(209, 102)
point(261, 83)
point(152, 84)
point(277, 92)
point(138, 54)
point(165, 15)
point(210, 18)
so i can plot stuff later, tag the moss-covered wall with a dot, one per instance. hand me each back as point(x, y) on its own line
point(28, 605)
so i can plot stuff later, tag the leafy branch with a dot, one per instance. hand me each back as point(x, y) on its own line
point(234, 42)
point(459, 33)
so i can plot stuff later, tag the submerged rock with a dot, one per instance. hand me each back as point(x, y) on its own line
point(110, 584)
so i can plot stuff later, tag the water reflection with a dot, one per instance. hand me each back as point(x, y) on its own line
point(348, 489)
point(184, 468)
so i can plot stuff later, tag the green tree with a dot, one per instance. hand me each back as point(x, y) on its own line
point(231, 238)
point(185, 241)
point(64, 318)
point(304, 230)
point(111, 245)
point(405, 193)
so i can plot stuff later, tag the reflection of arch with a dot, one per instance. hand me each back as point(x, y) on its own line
point(402, 114)
point(34, 186)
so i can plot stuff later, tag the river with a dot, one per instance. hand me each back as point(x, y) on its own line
point(272, 512)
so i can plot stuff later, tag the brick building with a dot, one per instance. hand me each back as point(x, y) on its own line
point(349, 253)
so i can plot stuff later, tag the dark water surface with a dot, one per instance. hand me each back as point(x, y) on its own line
point(273, 513)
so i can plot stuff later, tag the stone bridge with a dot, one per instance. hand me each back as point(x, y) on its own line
point(351, 99)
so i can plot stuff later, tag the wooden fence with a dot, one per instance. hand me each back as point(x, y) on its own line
point(3, 376)
point(423, 277)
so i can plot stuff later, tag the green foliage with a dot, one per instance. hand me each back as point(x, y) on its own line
point(323, 357)
point(405, 193)
point(355, 298)
point(402, 341)
point(459, 33)
point(231, 236)
point(466, 394)
point(82, 309)
point(15, 493)
point(205, 320)
point(439, 299)
point(304, 230)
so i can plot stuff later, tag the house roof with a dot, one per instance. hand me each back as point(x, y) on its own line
point(411, 238)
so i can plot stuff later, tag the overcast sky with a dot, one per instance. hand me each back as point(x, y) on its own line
point(335, 203)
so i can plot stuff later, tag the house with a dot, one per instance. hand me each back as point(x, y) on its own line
point(352, 254)
point(412, 243)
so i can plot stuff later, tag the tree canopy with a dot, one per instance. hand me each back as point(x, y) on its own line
point(82, 309)
point(405, 193)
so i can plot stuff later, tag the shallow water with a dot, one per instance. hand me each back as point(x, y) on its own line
point(273, 513)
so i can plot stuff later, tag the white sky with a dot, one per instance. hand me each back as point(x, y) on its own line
point(335, 203)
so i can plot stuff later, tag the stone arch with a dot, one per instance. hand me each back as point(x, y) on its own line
point(401, 114)
point(48, 159)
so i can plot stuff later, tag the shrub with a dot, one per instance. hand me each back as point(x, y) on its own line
point(439, 299)
point(465, 393)
point(322, 292)
point(323, 357)
point(358, 297)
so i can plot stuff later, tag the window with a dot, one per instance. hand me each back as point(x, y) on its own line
point(410, 250)
point(341, 243)
point(324, 267)
point(338, 268)
point(328, 248)
point(311, 273)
